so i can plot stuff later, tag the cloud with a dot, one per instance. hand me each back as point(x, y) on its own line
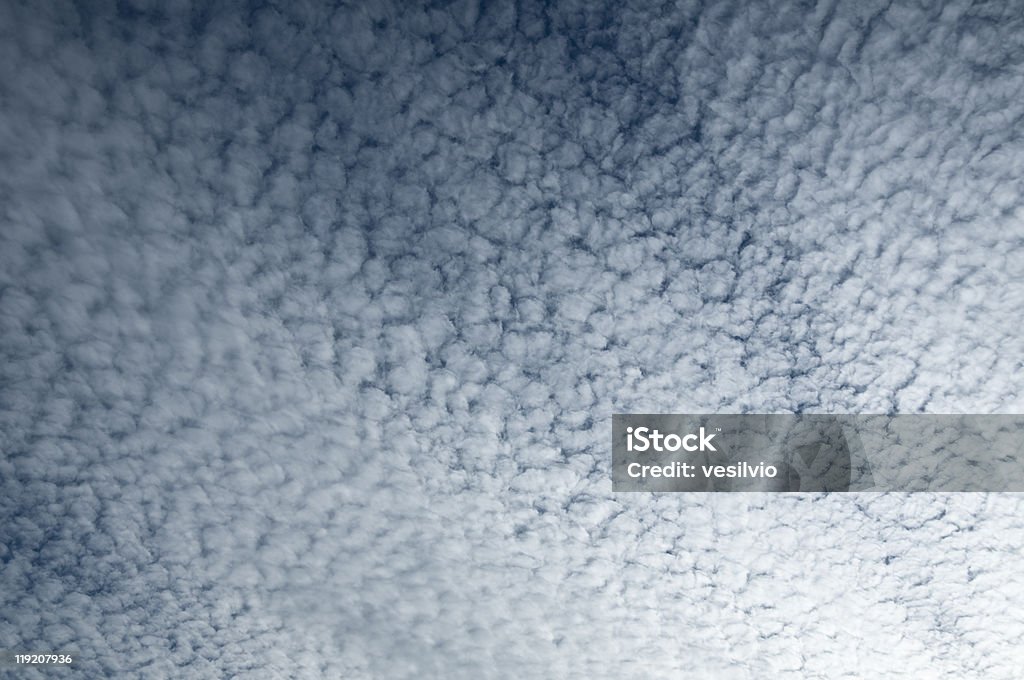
point(313, 320)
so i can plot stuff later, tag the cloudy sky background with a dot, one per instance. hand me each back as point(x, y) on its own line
point(312, 320)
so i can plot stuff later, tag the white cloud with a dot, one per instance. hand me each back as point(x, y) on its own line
point(313, 322)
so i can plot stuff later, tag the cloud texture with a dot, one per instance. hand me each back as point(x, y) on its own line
point(313, 319)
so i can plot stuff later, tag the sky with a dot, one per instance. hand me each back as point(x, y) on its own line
point(313, 318)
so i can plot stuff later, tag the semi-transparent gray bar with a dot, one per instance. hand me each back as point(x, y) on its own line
point(705, 452)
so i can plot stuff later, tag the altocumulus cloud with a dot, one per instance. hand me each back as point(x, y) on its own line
point(312, 320)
